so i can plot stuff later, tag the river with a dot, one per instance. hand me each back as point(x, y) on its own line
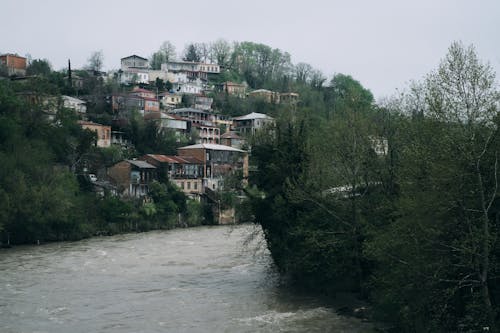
point(203, 279)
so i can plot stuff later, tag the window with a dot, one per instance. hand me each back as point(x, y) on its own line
point(188, 185)
point(182, 185)
point(195, 185)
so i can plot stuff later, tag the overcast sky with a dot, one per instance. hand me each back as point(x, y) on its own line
point(383, 43)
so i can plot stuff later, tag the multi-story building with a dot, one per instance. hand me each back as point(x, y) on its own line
point(103, 132)
point(266, 95)
point(132, 177)
point(14, 64)
point(196, 116)
point(206, 133)
point(233, 88)
point(203, 103)
point(184, 171)
point(134, 69)
point(169, 122)
point(75, 104)
point(134, 62)
point(170, 100)
point(250, 123)
point(219, 161)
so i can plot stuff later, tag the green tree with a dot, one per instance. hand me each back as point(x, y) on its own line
point(39, 67)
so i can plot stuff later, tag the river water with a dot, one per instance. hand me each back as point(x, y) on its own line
point(205, 279)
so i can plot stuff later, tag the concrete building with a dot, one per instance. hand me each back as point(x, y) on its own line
point(266, 95)
point(235, 89)
point(75, 104)
point(170, 100)
point(103, 132)
point(206, 133)
point(14, 64)
point(134, 62)
point(250, 123)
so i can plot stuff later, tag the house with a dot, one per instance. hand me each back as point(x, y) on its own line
point(209, 68)
point(168, 121)
point(140, 92)
point(196, 116)
point(151, 105)
point(135, 101)
point(75, 104)
point(134, 76)
point(134, 61)
point(103, 132)
point(289, 98)
point(118, 138)
point(14, 64)
point(266, 95)
point(250, 123)
point(219, 161)
point(186, 171)
point(134, 69)
point(132, 177)
point(232, 139)
point(203, 103)
point(207, 133)
point(235, 89)
point(192, 88)
point(170, 100)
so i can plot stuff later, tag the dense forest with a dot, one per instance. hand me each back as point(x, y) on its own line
point(396, 201)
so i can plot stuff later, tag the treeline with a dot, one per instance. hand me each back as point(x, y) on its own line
point(259, 65)
point(43, 197)
point(398, 201)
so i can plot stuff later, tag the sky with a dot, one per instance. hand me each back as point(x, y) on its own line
point(383, 44)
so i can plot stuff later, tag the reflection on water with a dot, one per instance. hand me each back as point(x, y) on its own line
point(186, 280)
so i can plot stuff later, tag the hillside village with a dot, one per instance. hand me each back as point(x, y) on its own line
point(176, 100)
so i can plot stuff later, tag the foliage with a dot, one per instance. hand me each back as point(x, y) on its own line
point(413, 228)
point(39, 67)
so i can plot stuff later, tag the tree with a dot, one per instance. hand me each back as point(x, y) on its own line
point(220, 51)
point(157, 59)
point(168, 50)
point(192, 53)
point(440, 250)
point(39, 67)
point(95, 61)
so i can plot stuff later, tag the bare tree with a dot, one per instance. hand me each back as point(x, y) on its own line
point(220, 51)
point(168, 50)
point(95, 61)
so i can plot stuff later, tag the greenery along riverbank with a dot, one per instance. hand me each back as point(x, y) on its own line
point(41, 197)
point(397, 201)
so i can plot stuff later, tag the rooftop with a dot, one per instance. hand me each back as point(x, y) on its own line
point(253, 115)
point(212, 146)
point(134, 56)
point(141, 164)
point(175, 159)
point(230, 135)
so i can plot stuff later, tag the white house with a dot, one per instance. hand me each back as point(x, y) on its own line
point(252, 122)
point(74, 104)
